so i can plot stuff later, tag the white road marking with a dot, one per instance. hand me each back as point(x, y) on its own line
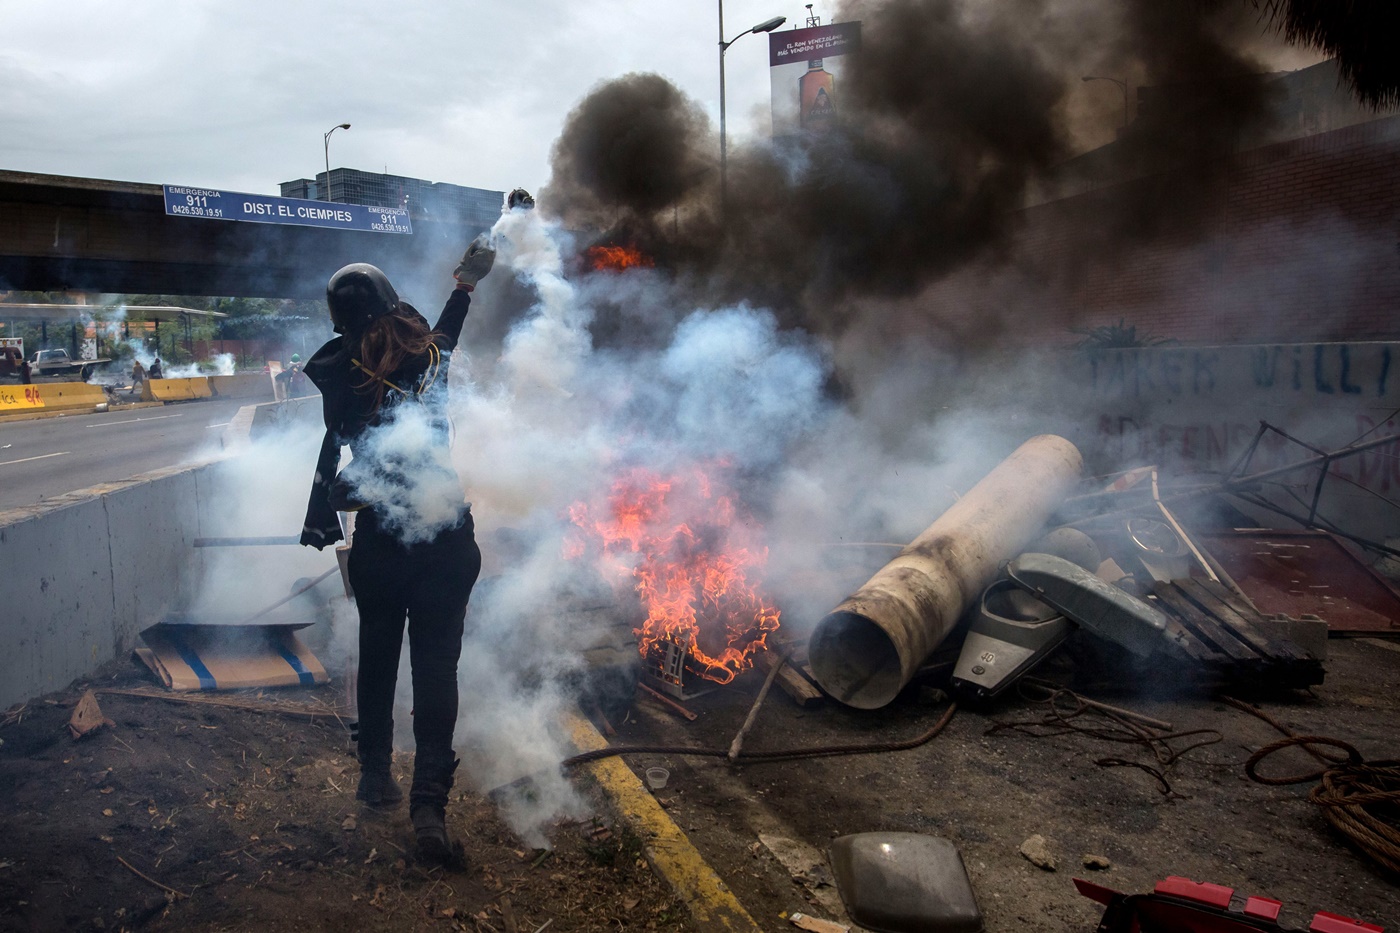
point(221, 424)
point(40, 457)
point(106, 424)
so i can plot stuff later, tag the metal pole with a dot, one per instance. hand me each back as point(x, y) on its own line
point(327, 140)
point(723, 142)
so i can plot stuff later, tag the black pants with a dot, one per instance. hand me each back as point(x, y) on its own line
point(429, 583)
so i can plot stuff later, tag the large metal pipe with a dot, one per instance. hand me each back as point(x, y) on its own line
point(866, 649)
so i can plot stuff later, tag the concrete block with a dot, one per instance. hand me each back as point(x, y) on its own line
point(242, 385)
point(303, 413)
point(50, 396)
point(87, 571)
point(152, 524)
point(57, 621)
point(176, 390)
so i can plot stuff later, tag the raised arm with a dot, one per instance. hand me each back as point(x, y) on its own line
point(475, 264)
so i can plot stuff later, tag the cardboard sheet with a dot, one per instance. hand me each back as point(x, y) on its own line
point(229, 657)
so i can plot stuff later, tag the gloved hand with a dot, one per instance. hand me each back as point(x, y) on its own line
point(476, 261)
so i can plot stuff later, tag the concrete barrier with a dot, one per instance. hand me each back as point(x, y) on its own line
point(176, 390)
point(86, 571)
point(294, 413)
point(49, 396)
point(242, 385)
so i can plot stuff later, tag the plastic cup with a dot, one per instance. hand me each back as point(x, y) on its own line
point(657, 777)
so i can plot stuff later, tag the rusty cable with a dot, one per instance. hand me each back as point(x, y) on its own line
point(1121, 729)
point(819, 751)
point(1360, 798)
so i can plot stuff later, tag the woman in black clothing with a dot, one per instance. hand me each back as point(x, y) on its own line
point(387, 369)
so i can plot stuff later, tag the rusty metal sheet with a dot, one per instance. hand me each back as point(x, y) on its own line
point(1308, 573)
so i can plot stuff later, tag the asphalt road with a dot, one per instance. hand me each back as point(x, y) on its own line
point(52, 456)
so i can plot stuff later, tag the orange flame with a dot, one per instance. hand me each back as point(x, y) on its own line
point(677, 541)
point(617, 258)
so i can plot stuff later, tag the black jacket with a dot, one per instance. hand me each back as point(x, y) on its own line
point(348, 408)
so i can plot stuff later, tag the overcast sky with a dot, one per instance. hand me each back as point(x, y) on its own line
point(238, 95)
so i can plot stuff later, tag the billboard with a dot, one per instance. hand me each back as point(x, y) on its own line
point(805, 68)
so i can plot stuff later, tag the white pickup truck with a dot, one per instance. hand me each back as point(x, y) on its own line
point(59, 363)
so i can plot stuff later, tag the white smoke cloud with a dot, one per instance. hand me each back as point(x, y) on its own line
point(405, 470)
point(555, 420)
point(555, 423)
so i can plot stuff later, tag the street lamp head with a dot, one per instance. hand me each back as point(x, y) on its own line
point(345, 126)
point(769, 25)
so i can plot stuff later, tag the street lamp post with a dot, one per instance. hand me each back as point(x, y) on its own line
point(1122, 86)
point(767, 25)
point(327, 140)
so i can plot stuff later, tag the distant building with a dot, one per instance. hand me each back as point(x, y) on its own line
point(1302, 103)
point(425, 200)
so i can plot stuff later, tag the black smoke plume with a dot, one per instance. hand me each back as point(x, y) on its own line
point(634, 145)
point(952, 115)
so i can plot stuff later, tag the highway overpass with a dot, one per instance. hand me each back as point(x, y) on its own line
point(90, 234)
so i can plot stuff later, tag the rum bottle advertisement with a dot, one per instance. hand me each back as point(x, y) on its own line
point(805, 68)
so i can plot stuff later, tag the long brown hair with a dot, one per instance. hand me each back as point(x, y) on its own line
point(387, 342)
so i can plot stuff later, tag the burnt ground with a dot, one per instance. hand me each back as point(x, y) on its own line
point(250, 817)
point(988, 793)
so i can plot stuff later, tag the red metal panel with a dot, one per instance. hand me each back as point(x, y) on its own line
point(1308, 573)
point(1202, 892)
point(1334, 923)
point(1262, 907)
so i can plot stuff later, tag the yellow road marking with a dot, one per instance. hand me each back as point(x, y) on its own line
point(712, 905)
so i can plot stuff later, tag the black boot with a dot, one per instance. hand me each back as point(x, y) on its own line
point(378, 789)
point(430, 830)
point(432, 782)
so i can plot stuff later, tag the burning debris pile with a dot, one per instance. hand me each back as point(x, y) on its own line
point(616, 258)
point(683, 544)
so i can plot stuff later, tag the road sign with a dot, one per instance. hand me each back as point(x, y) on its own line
point(211, 204)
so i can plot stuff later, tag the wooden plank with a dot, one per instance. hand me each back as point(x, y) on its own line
point(667, 702)
point(803, 693)
point(1216, 607)
point(1279, 646)
point(1203, 625)
point(1191, 643)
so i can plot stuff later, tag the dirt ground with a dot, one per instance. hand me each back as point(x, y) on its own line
point(250, 817)
point(194, 817)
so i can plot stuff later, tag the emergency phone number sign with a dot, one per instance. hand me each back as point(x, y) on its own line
point(210, 204)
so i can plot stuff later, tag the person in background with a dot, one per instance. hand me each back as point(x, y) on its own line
point(386, 357)
point(291, 381)
point(156, 371)
point(138, 376)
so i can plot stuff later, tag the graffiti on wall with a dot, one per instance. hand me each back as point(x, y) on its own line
point(20, 397)
point(1214, 446)
point(1359, 370)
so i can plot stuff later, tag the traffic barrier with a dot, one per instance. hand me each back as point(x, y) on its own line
point(50, 396)
point(176, 390)
point(242, 385)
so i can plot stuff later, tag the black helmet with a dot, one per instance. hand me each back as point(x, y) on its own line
point(520, 198)
point(358, 295)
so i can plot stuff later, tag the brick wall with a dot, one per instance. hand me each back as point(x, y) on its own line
point(247, 353)
point(1296, 241)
